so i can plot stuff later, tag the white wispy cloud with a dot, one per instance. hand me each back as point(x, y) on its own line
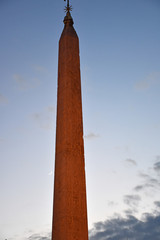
point(40, 69)
point(1, 140)
point(3, 99)
point(44, 119)
point(149, 81)
point(91, 136)
point(50, 173)
point(23, 84)
point(50, 109)
point(112, 203)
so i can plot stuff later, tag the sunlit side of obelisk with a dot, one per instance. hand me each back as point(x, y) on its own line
point(69, 204)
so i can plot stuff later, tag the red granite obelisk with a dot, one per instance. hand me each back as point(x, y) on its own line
point(69, 205)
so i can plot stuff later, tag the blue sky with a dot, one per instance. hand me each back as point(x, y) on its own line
point(120, 73)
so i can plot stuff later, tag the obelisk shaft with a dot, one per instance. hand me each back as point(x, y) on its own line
point(69, 208)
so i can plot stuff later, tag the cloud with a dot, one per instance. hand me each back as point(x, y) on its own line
point(129, 228)
point(119, 228)
point(131, 161)
point(2, 140)
point(151, 80)
point(40, 69)
point(147, 186)
point(157, 167)
point(130, 211)
point(46, 236)
point(91, 136)
point(37, 116)
point(112, 203)
point(50, 173)
point(150, 182)
point(157, 158)
point(51, 109)
point(139, 187)
point(157, 203)
point(23, 84)
point(3, 99)
point(44, 119)
point(144, 175)
point(131, 200)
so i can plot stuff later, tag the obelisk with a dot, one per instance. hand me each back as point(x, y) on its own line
point(69, 204)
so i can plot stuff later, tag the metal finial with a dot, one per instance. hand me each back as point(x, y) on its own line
point(68, 8)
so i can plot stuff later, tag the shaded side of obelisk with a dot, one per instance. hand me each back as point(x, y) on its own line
point(69, 206)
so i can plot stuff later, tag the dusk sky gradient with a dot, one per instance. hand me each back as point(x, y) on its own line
point(120, 74)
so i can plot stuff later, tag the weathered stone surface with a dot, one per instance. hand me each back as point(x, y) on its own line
point(69, 207)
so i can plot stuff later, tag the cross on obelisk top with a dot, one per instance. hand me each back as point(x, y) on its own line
point(68, 7)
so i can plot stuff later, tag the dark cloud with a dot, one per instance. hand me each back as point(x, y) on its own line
point(118, 228)
point(139, 188)
point(157, 203)
point(129, 228)
point(157, 167)
point(149, 182)
point(129, 212)
point(154, 181)
point(132, 200)
point(143, 175)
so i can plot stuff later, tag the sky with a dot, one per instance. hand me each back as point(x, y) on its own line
point(120, 74)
